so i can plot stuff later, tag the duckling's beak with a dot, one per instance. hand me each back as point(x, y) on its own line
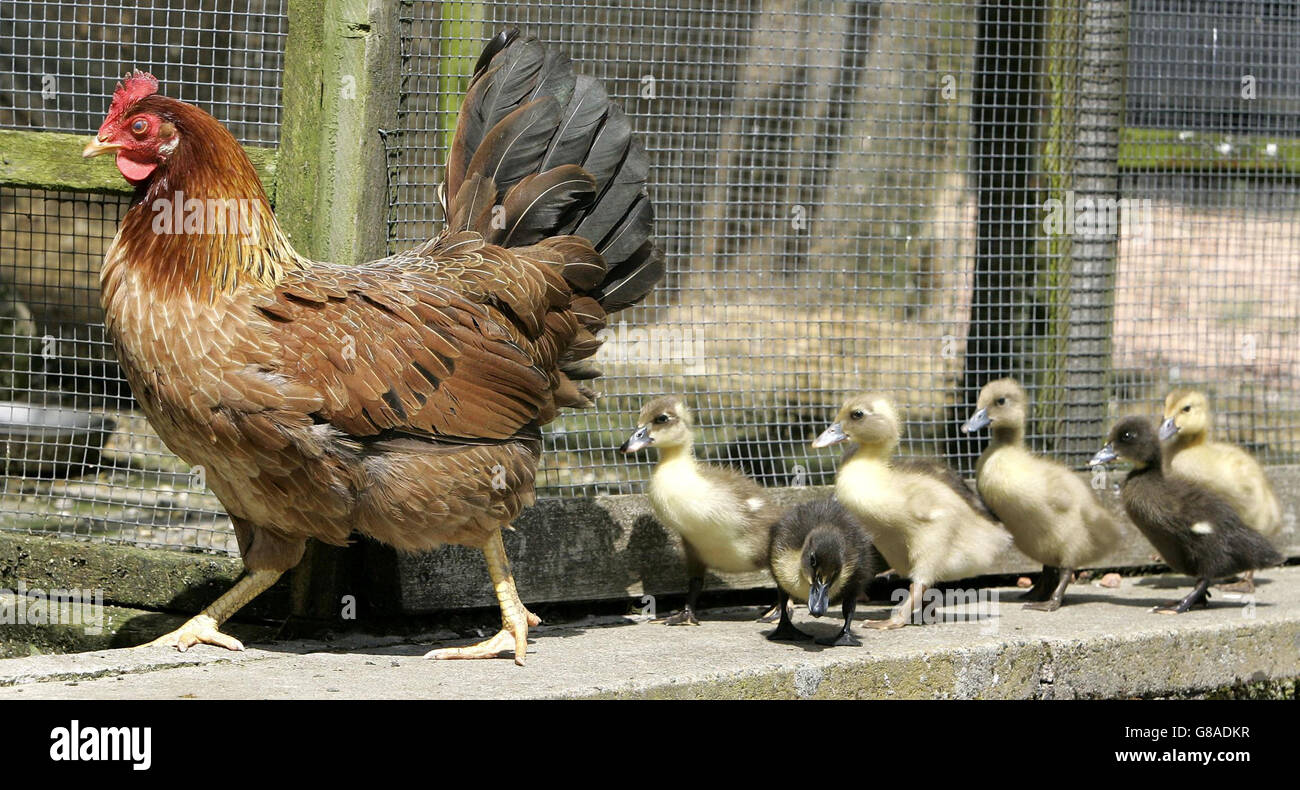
point(977, 421)
point(638, 441)
point(832, 435)
point(1104, 456)
point(1167, 429)
point(819, 598)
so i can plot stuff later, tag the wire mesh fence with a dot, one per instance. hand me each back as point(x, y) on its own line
point(59, 60)
point(1099, 198)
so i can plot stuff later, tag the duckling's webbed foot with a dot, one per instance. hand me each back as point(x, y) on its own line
point(1043, 585)
point(785, 630)
point(1244, 585)
point(685, 617)
point(902, 614)
point(1200, 594)
point(772, 615)
point(845, 638)
point(1057, 597)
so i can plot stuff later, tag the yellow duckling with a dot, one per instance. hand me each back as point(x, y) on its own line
point(724, 518)
point(925, 527)
point(1054, 517)
point(1225, 469)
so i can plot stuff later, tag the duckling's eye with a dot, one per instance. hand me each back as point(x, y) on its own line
point(139, 126)
point(857, 414)
point(812, 561)
point(661, 419)
point(1127, 437)
point(1188, 407)
point(1002, 401)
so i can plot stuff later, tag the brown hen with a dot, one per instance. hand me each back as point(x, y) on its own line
point(401, 398)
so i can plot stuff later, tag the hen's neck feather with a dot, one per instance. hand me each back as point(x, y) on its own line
point(230, 245)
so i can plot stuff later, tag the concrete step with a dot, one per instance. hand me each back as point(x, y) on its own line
point(1105, 643)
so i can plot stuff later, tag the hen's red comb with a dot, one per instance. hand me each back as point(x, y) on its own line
point(133, 87)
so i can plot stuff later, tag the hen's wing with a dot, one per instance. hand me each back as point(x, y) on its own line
point(457, 342)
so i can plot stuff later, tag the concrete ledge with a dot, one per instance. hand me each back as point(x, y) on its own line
point(1105, 643)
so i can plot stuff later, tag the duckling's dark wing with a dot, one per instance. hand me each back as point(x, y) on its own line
point(1232, 547)
point(949, 477)
point(1195, 530)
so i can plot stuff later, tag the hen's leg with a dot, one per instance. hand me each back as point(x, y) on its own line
point(203, 627)
point(515, 619)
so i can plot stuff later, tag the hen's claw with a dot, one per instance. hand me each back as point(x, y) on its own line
point(198, 630)
point(503, 642)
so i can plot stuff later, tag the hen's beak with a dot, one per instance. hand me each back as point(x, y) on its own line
point(638, 441)
point(96, 147)
point(1167, 429)
point(977, 420)
point(819, 598)
point(832, 435)
point(1104, 456)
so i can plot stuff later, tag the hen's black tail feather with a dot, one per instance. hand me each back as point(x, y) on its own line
point(540, 153)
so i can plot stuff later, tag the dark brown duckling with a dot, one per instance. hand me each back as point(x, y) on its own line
point(821, 554)
point(1196, 531)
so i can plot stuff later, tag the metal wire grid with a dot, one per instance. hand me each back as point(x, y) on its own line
point(78, 460)
point(1208, 296)
point(818, 198)
point(60, 59)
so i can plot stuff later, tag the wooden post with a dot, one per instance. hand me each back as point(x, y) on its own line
point(341, 87)
point(1102, 57)
point(1005, 118)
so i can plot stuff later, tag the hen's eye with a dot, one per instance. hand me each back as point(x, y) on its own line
point(661, 419)
point(139, 126)
point(857, 414)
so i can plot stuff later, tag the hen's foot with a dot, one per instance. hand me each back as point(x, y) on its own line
point(771, 615)
point(504, 642)
point(515, 617)
point(886, 625)
point(198, 630)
